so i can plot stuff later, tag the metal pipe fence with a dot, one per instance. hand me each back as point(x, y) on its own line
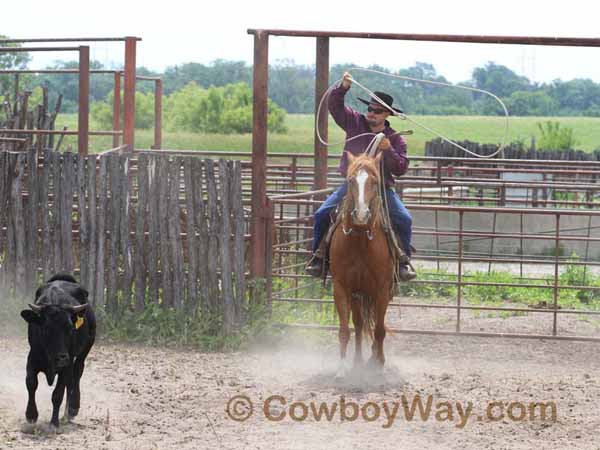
point(534, 290)
point(129, 74)
point(458, 181)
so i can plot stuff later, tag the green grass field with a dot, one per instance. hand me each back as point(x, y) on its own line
point(299, 137)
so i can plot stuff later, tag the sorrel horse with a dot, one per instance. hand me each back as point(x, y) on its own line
point(362, 267)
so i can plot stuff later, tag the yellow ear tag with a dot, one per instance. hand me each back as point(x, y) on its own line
point(78, 322)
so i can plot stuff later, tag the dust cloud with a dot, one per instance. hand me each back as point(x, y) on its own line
point(145, 398)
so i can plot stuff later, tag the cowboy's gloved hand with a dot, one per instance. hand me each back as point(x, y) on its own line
point(346, 80)
point(385, 145)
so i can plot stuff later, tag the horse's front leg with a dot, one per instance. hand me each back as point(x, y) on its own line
point(381, 303)
point(342, 305)
point(357, 320)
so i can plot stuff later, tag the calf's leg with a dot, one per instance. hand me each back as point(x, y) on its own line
point(59, 392)
point(31, 381)
point(74, 394)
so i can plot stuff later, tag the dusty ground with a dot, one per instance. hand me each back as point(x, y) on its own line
point(136, 397)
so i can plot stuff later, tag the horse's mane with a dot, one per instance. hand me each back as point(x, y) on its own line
point(363, 162)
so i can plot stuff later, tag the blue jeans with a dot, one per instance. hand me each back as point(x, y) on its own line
point(399, 215)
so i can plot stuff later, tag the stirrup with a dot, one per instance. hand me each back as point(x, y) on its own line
point(408, 274)
point(403, 259)
point(314, 268)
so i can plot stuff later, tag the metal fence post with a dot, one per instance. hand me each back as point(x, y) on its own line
point(117, 109)
point(270, 223)
point(459, 275)
point(158, 92)
point(259, 155)
point(129, 94)
point(321, 85)
point(556, 263)
point(83, 122)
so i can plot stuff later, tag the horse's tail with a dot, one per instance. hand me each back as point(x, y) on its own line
point(367, 311)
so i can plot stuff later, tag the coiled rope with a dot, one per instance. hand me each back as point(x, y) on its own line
point(404, 116)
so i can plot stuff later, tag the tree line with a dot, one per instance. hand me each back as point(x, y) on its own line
point(291, 86)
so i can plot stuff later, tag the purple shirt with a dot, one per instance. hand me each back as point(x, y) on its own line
point(355, 123)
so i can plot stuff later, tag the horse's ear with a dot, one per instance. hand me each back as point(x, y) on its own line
point(351, 158)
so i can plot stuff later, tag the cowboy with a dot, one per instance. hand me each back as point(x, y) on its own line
point(395, 160)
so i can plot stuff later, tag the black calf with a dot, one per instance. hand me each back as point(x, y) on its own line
point(62, 329)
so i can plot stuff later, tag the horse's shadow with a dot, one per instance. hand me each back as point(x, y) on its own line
point(362, 379)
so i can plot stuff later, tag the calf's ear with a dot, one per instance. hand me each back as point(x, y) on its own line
point(31, 317)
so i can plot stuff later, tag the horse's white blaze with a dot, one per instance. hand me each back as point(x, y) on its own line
point(362, 212)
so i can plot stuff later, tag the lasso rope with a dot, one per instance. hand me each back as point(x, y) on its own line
point(405, 117)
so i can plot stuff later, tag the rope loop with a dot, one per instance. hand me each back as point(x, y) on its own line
point(404, 116)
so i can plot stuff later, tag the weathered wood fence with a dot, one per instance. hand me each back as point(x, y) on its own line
point(150, 229)
point(443, 149)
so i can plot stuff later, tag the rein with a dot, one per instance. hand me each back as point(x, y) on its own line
point(374, 218)
point(381, 207)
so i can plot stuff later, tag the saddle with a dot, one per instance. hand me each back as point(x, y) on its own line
point(395, 249)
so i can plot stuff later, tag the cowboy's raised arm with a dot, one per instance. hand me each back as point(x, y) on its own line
point(343, 115)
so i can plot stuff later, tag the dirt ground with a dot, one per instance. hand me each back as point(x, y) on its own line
point(136, 397)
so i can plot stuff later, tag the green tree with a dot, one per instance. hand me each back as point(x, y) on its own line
point(68, 84)
point(575, 97)
point(499, 80)
point(8, 61)
point(226, 109)
point(102, 112)
point(522, 103)
point(292, 86)
point(217, 73)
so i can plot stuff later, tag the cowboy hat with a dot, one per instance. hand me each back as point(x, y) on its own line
point(386, 98)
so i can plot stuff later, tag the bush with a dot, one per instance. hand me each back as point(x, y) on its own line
point(102, 112)
point(159, 325)
point(225, 110)
point(554, 137)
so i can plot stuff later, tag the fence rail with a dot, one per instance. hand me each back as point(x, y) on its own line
point(150, 229)
point(456, 251)
point(440, 148)
point(445, 180)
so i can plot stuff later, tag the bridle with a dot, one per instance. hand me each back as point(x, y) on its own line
point(370, 220)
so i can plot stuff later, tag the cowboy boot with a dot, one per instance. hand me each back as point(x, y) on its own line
point(315, 266)
point(405, 273)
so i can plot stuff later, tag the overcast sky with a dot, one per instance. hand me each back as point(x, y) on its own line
point(174, 32)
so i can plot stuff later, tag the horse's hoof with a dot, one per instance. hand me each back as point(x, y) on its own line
point(28, 427)
point(31, 415)
point(340, 374)
point(342, 371)
point(375, 366)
